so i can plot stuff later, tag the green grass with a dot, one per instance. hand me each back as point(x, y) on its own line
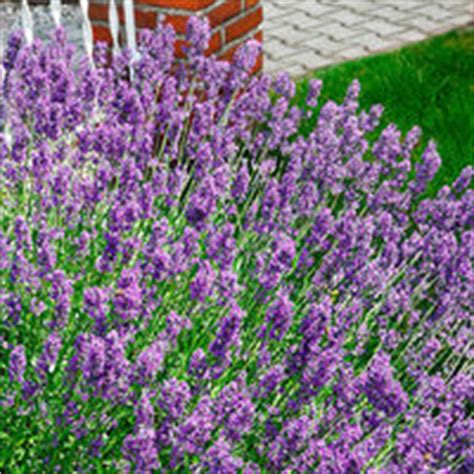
point(430, 84)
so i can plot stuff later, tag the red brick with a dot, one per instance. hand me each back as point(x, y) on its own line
point(191, 5)
point(178, 22)
point(178, 48)
point(223, 12)
point(145, 19)
point(243, 25)
point(98, 12)
point(251, 3)
point(258, 36)
point(258, 65)
point(215, 43)
point(101, 33)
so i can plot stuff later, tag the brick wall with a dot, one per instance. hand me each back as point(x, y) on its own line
point(232, 21)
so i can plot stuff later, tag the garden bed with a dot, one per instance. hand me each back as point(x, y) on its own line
point(190, 283)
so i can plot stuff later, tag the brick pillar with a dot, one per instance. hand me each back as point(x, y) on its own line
point(232, 21)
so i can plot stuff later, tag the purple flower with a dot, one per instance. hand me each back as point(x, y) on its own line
point(145, 411)
point(140, 450)
point(198, 364)
point(315, 86)
point(240, 184)
point(246, 56)
point(236, 410)
point(221, 246)
point(175, 324)
point(270, 381)
point(127, 300)
point(202, 284)
point(102, 363)
point(174, 397)
point(464, 179)
point(284, 85)
point(426, 169)
point(195, 431)
point(197, 34)
point(294, 435)
point(227, 334)
point(61, 293)
point(150, 361)
point(93, 358)
point(17, 365)
point(382, 390)
point(49, 356)
point(15, 42)
point(96, 306)
point(279, 317)
point(219, 459)
point(22, 233)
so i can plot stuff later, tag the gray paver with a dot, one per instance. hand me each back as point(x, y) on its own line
point(467, 18)
point(311, 60)
point(423, 23)
point(363, 7)
point(288, 34)
point(410, 36)
point(300, 19)
point(272, 66)
point(461, 8)
point(360, 6)
point(296, 70)
point(348, 18)
point(354, 52)
point(324, 32)
point(435, 12)
point(383, 28)
point(273, 11)
point(320, 43)
point(391, 14)
point(372, 42)
point(337, 31)
point(278, 50)
point(315, 9)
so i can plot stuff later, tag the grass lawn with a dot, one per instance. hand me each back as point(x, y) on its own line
point(430, 84)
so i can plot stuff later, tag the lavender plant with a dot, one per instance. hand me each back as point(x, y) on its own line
point(190, 285)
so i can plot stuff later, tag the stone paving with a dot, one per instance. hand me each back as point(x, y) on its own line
point(303, 35)
point(300, 36)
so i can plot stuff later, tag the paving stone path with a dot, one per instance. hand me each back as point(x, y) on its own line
point(303, 35)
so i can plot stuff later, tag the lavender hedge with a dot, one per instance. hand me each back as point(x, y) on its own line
point(190, 285)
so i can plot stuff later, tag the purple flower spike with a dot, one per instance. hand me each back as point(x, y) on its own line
point(198, 33)
point(17, 366)
point(49, 356)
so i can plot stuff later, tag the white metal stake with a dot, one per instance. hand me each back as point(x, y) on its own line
point(5, 124)
point(27, 21)
point(86, 28)
point(55, 6)
point(130, 29)
point(114, 24)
